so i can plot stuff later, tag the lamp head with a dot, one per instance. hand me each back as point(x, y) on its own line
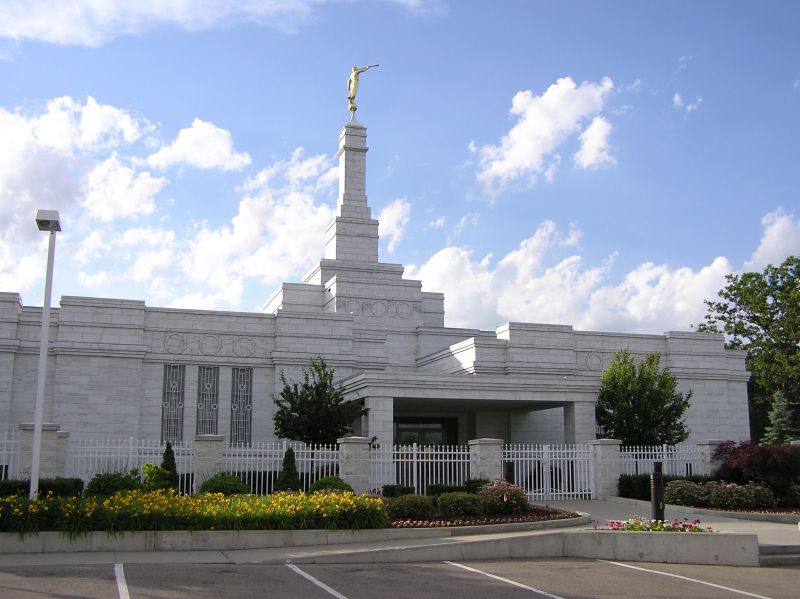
point(47, 220)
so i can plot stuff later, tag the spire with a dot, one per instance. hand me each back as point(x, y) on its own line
point(353, 234)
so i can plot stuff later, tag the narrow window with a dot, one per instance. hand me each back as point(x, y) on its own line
point(241, 405)
point(207, 393)
point(172, 404)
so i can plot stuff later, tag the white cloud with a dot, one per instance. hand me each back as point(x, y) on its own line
point(677, 100)
point(437, 223)
point(468, 220)
point(779, 240)
point(114, 191)
point(392, 222)
point(679, 103)
point(149, 261)
point(203, 146)
point(93, 23)
point(594, 151)
point(543, 124)
point(533, 284)
point(96, 280)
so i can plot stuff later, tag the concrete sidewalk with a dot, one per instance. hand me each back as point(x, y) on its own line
point(617, 508)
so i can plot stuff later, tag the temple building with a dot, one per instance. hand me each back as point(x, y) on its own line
point(119, 368)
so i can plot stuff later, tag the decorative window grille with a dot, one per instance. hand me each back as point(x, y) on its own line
point(172, 404)
point(241, 406)
point(207, 399)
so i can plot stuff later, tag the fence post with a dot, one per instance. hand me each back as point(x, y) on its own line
point(62, 443)
point(354, 462)
point(209, 455)
point(707, 449)
point(51, 464)
point(486, 458)
point(605, 467)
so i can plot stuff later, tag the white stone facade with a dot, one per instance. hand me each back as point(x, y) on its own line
point(385, 337)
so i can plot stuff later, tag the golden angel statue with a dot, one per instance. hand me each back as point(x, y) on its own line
point(352, 84)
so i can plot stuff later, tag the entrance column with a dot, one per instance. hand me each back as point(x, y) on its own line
point(579, 422)
point(379, 420)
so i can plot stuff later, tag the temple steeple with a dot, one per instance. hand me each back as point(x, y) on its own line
point(353, 235)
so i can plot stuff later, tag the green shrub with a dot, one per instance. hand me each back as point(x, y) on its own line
point(411, 507)
point(108, 483)
point(776, 466)
point(333, 483)
point(288, 479)
point(458, 504)
point(685, 492)
point(437, 489)
point(59, 487)
point(637, 486)
point(156, 478)
point(501, 498)
point(396, 490)
point(791, 498)
point(168, 464)
point(473, 485)
point(730, 496)
point(227, 484)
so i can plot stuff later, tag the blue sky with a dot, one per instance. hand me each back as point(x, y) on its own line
point(596, 164)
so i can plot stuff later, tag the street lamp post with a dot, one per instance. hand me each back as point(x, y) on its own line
point(46, 220)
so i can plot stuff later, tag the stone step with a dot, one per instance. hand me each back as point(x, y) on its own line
point(778, 550)
point(788, 559)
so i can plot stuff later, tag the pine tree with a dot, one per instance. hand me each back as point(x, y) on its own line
point(168, 464)
point(288, 479)
point(780, 428)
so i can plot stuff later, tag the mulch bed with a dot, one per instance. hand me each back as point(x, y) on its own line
point(536, 514)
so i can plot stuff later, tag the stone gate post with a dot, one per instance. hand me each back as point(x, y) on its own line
point(708, 465)
point(209, 456)
point(53, 456)
point(354, 462)
point(606, 467)
point(486, 459)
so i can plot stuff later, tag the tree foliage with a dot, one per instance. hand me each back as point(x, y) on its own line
point(641, 405)
point(780, 428)
point(314, 410)
point(288, 478)
point(760, 312)
point(169, 465)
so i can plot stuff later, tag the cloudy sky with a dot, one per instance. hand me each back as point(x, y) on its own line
point(596, 164)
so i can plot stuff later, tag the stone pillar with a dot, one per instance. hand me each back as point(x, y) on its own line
point(708, 465)
point(379, 422)
point(486, 458)
point(605, 467)
point(62, 444)
point(53, 456)
point(579, 422)
point(354, 462)
point(209, 456)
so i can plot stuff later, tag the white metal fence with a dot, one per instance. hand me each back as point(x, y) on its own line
point(678, 460)
point(550, 471)
point(87, 457)
point(9, 455)
point(260, 464)
point(419, 466)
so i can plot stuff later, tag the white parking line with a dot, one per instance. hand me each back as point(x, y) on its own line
point(317, 582)
point(506, 580)
point(709, 584)
point(122, 586)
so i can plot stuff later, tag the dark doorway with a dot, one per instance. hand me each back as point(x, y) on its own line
point(425, 431)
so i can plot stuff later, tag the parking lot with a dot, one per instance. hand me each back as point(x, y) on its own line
point(566, 578)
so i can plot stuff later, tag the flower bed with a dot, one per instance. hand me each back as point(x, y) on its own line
point(535, 514)
point(166, 510)
point(641, 524)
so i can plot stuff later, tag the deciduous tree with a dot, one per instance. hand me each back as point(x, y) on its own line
point(641, 405)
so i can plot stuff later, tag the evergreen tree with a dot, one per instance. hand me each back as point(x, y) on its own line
point(780, 428)
point(168, 464)
point(641, 405)
point(314, 411)
point(288, 479)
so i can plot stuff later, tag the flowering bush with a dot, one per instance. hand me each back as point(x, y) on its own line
point(730, 496)
point(684, 492)
point(166, 510)
point(640, 524)
point(774, 466)
point(501, 497)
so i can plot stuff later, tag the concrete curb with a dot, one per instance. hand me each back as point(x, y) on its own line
point(682, 509)
point(230, 540)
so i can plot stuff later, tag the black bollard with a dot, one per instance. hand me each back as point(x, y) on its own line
point(657, 492)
